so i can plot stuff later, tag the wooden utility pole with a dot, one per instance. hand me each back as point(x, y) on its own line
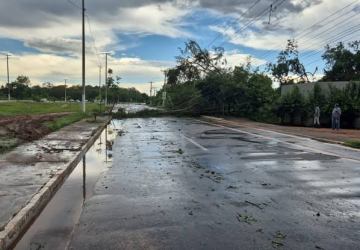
point(106, 77)
point(164, 90)
point(100, 87)
point(65, 90)
point(151, 89)
point(8, 76)
point(83, 58)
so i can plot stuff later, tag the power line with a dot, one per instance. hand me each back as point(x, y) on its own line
point(328, 29)
point(253, 20)
point(337, 39)
point(309, 29)
point(96, 51)
point(90, 31)
point(74, 4)
point(233, 22)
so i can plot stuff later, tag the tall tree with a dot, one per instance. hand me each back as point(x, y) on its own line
point(194, 63)
point(288, 68)
point(342, 62)
point(20, 87)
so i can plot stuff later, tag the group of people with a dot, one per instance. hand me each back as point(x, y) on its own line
point(335, 117)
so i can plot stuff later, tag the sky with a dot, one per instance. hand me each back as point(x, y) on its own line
point(144, 36)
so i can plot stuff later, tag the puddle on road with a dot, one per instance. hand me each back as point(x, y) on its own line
point(53, 228)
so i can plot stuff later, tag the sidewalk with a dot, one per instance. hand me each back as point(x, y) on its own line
point(31, 174)
point(320, 134)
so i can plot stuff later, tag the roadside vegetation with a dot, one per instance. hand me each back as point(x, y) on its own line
point(66, 120)
point(37, 108)
point(23, 89)
point(353, 144)
point(26, 121)
point(202, 83)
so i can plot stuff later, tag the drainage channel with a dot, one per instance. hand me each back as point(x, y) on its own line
point(53, 228)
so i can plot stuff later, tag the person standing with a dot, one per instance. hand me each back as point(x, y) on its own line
point(317, 117)
point(335, 117)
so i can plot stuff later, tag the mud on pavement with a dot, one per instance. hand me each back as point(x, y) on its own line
point(18, 129)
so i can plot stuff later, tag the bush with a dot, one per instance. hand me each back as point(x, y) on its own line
point(296, 109)
point(292, 108)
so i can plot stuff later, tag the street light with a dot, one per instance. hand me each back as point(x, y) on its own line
point(106, 73)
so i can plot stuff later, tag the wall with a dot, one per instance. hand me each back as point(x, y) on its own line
point(305, 88)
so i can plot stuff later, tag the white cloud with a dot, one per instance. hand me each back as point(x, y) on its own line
point(273, 36)
point(58, 32)
point(54, 68)
point(235, 58)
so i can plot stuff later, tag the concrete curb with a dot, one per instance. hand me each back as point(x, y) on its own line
point(25, 217)
point(217, 119)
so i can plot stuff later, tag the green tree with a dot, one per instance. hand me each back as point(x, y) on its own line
point(292, 107)
point(342, 62)
point(20, 87)
point(194, 63)
point(288, 68)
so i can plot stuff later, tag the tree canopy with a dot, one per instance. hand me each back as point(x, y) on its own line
point(342, 62)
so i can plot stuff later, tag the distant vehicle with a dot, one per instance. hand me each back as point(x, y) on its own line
point(44, 100)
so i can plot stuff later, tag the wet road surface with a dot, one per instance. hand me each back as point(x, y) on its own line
point(188, 184)
point(132, 107)
point(53, 228)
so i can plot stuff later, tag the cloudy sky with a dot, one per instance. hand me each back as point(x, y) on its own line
point(144, 35)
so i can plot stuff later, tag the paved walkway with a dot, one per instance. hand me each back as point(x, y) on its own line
point(323, 134)
point(31, 173)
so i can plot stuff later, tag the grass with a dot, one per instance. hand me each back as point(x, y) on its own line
point(37, 108)
point(7, 143)
point(353, 144)
point(65, 121)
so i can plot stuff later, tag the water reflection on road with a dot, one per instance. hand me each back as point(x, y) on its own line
point(53, 228)
point(133, 107)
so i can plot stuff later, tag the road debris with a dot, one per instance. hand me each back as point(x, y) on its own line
point(246, 218)
point(278, 240)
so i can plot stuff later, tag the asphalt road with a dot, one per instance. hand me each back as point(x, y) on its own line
point(169, 183)
point(187, 184)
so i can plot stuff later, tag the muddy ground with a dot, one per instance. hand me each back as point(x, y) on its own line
point(18, 129)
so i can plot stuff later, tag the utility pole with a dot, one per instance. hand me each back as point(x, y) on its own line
point(8, 76)
point(151, 88)
point(83, 57)
point(106, 77)
point(65, 89)
point(270, 13)
point(106, 73)
point(100, 86)
point(164, 90)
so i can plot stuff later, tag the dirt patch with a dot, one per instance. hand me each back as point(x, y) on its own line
point(27, 128)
